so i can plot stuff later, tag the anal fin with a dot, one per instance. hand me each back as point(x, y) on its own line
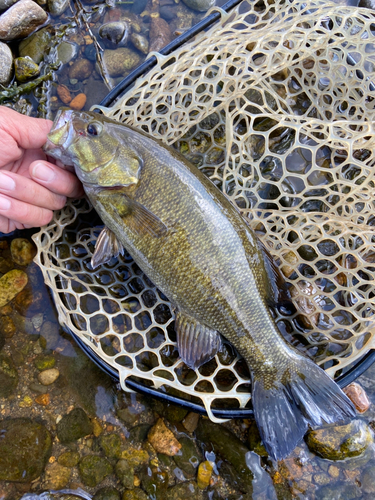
point(196, 343)
point(107, 246)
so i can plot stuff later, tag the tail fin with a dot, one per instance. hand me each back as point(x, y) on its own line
point(283, 412)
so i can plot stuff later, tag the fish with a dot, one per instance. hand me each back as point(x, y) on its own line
point(196, 247)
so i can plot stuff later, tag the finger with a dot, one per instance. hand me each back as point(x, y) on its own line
point(27, 190)
point(24, 213)
point(56, 179)
point(29, 133)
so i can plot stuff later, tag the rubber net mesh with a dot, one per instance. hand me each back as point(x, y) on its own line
point(275, 104)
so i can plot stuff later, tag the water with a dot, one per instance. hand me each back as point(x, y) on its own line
point(114, 425)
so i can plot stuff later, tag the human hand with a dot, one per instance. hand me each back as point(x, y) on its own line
point(30, 187)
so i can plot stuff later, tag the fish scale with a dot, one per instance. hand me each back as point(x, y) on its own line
point(195, 247)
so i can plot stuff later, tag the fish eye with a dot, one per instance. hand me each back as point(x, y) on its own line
point(94, 128)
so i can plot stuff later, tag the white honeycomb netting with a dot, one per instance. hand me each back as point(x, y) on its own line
point(275, 104)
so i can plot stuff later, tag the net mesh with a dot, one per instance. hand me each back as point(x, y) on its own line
point(275, 104)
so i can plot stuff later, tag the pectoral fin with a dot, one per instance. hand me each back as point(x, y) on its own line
point(107, 246)
point(196, 342)
point(140, 219)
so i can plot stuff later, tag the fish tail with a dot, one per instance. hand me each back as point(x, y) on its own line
point(284, 409)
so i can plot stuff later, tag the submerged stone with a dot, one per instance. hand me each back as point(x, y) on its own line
point(11, 284)
point(69, 459)
point(57, 7)
point(74, 426)
point(25, 447)
point(48, 377)
point(67, 51)
point(125, 473)
point(56, 476)
point(111, 445)
point(136, 494)
point(22, 250)
point(116, 32)
point(183, 490)
point(337, 442)
point(358, 396)
point(107, 493)
point(188, 458)
point(154, 482)
point(200, 5)
point(25, 68)
point(163, 440)
point(117, 62)
point(21, 20)
point(135, 457)
point(204, 474)
point(35, 46)
point(94, 469)
point(44, 362)
point(8, 376)
point(6, 61)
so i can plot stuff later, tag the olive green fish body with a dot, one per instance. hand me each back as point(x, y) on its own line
point(198, 250)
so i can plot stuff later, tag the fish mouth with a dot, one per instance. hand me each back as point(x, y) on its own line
point(61, 136)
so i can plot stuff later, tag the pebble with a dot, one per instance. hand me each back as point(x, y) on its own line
point(11, 284)
point(73, 426)
point(21, 20)
point(163, 440)
point(115, 32)
point(190, 422)
point(69, 459)
point(94, 469)
point(204, 474)
point(136, 494)
point(26, 402)
point(7, 327)
point(43, 400)
point(78, 102)
point(135, 457)
point(35, 46)
point(6, 61)
point(50, 335)
point(48, 377)
point(44, 362)
point(200, 5)
point(107, 493)
point(124, 473)
point(25, 69)
point(358, 396)
point(117, 62)
point(111, 445)
point(368, 480)
point(160, 34)
point(57, 7)
point(8, 376)
point(56, 476)
point(337, 442)
point(81, 69)
point(140, 42)
point(67, 51)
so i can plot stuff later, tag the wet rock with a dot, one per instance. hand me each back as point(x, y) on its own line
point(136, 494)
point(140, 42)
point(139, 433)
point(48, 377)
point(35, 46)
point(163, 440)
point(57, 7)
point(135, 457)
point(22, 250)
point(254, 440)
point(188, 458)
point(128, 416)
point(97, 427)
point(7, 327)
point(174, 413)
point(56, 476)
point(111, 445)
point(337, 442)
point(78, 102)
point(21, 20)
point(29, 301)
point(74, 426)
point(43, 400)
point(190, 422)
point(67, 51)
point(64, 94)
point(167, 12)
point(160, 34)
point(107, 493)
point(125, 473)
point(358, 396)
point(368, 480)
point(11, 284)
point(116, 32)
point(204, 474)
point(224, 443)
point(5, 4)
point(81, 69)
point(117, 62)
point(50, 333)
point(6, 61)
point(94, 469)
point(154, 482)
point(200, 5)
point(183, 490)
point(44, 362)
point(69, 459)
point(8, 376)
point(25, 447)
point(38, 388)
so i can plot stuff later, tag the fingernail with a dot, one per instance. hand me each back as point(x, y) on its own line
point(7, 183)
point(43, 173)
point(4, 203)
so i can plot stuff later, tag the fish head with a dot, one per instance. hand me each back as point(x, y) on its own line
point(97, 147)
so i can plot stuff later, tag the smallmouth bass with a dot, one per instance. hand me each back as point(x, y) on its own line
point(194, 245)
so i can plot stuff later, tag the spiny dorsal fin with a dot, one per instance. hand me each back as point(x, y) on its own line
point(196, 342)
point(107, 246)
